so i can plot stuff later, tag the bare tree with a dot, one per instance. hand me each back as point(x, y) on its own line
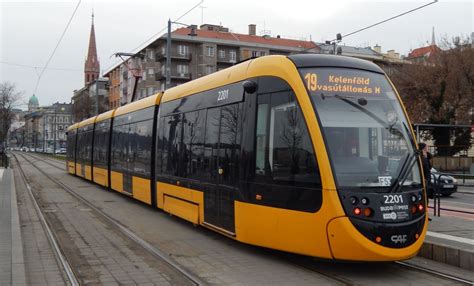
point(440, 91)
point(9, 100)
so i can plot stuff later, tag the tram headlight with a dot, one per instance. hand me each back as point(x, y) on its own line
point(421, 208)
point(368, 212)
point(354, 200)
point(357, 211)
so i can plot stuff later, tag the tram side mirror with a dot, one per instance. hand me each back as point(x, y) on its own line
point(250, 86)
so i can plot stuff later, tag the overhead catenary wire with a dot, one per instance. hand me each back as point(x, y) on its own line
point(57, 45)
point(35, 67)
point(386, 20)
point(137, 49)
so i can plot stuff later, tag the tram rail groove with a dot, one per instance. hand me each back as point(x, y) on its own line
point(58, 253)
point(435, 273)
point(123, 229)
point(454, 210)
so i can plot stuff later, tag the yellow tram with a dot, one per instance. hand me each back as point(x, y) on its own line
point(310, 154)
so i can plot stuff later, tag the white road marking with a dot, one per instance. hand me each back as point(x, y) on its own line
point(450, 237)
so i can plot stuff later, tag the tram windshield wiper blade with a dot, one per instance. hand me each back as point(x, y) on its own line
point(404, 172)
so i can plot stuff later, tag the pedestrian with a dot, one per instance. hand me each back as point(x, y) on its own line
point(426, 164)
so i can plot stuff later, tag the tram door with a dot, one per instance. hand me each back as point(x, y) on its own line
point(221, 152)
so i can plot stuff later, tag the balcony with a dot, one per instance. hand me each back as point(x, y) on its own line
point(160, 56)
point(174, 75)
point(226, 60)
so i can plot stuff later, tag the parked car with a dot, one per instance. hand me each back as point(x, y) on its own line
point(447, 184)
point(61, 151)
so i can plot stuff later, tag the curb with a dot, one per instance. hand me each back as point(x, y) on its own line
point(447, 254)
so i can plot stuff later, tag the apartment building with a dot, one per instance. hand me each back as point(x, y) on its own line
point(195, 52)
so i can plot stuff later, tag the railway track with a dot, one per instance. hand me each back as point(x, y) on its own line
point(324, 269)
point(72, 276)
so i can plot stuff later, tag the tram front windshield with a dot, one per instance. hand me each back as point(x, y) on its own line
point(365, 129)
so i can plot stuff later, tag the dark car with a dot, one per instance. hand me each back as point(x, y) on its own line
point(446, 185)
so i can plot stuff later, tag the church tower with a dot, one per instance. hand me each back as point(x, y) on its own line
point(92, 66)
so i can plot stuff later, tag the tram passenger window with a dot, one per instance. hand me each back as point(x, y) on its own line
point(143, 147)
point(193, 144)
point(172, 138)
point(291, 155)
point(211, 143)
point(261, 138)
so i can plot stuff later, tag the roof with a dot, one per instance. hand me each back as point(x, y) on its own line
point(246, 38)
point(105, 115)
point(424, 51)
point(33, 100)
point(139, 104)
point(86, 122)
point(74, 126)
point(315, 60)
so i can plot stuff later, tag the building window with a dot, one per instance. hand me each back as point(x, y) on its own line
point(162, 86)
point(233, 56)
point(144, 75)
point(183, 50)
point(262, 53)
point(210, 51)
point(221, 54)
point(209, 69)
point(151, 55)
point(183, 69)
point(151, 71)
point(151, 91)
point(255, 54)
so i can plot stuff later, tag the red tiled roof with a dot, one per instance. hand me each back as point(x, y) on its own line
point(424, 51)
point(247, 38)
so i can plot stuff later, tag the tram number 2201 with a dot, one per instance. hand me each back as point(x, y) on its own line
point(222, 95)
point(393, 199)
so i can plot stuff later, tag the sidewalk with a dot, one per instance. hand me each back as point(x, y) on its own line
point(12, 266)
point(450, 240)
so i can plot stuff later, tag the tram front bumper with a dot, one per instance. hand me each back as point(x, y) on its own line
point(347, 243)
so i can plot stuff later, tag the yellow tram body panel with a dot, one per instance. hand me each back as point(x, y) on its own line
point(141, 189)
point(88, 172)
point(71, 167)
point(116, 181)
point(79, 170)
point(101, 176)
point(183, 202)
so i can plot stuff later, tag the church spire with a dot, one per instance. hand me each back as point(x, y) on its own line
point(92, 66)
point(433, 42)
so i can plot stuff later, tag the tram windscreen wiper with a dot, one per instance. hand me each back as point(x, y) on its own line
point(404, 172)
point(364, 110)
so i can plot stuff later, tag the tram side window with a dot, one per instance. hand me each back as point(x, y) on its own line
point(284, 152)
point(71, 144)
point(101, 142)
point(117, 150)
point(142, 138)
point(172, 145)
point(192, 144)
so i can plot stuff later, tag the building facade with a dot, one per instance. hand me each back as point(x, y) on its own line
point(195, 52)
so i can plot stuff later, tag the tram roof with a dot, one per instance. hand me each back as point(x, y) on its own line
point(106, 115)
point(139, 104)
point(86, 122)
point(222, 77)
point(317, 60)
point(73, 126)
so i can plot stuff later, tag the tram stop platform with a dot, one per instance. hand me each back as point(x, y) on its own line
point(12, 266)
point(450, 238)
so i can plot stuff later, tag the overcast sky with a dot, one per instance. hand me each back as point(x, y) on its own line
point(29, 31)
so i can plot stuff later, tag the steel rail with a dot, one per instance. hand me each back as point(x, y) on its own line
point(436, 273)
point(123, 229)
point(60, 257)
